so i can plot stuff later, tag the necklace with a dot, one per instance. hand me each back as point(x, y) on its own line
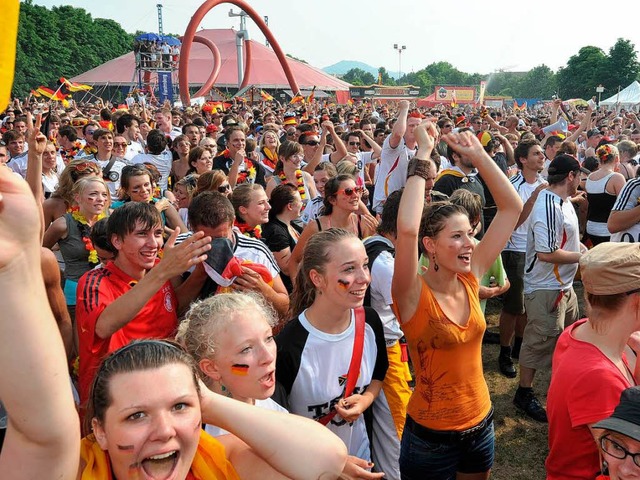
point(85, 230)
point(248, 173)
point(299, 183)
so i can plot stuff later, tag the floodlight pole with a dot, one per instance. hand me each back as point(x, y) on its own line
point(399, 49)
point(160, 28)
point(241, 35)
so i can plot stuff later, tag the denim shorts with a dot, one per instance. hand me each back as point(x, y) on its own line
point(440, 460)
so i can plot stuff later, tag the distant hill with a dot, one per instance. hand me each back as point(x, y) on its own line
point(344, 66)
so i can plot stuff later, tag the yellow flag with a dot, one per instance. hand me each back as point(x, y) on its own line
point(9, 29)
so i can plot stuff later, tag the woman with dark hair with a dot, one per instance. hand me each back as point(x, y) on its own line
point(184, 190)
point(252, 207)
point(449, 425)
point(136, 185)
point(342, 207)
point(281, 233)
point(200, 161)
point(180, 166)
point(594, 360)
point(288, 170)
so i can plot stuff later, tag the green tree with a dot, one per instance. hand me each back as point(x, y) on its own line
point(622, 66)
point(358, 76)
point(583, 73)
point(64, 41)
point(386, 78)
point(539, 82)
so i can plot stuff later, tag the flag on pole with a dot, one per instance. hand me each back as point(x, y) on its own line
point(56, 95)
point(35, 93)
point(483, 86)
point(297, 99)
point(454, 103)
point(265, 96)
point(75, 87)
point(311, 95)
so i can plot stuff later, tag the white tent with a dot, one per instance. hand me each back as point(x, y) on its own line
point(629, 97)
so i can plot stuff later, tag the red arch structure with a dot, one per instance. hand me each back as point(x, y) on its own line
point(217, 62)
point(190, 36)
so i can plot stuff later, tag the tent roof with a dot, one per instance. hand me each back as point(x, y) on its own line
point(628, 96)
point(265, 67)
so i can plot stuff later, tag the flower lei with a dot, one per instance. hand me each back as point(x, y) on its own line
point(70, 154)
point(247, 231)
point(270, 159)
point(85, 230)
point(299, 185)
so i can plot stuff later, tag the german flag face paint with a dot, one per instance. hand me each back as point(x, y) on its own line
point(240, 369)
point(344, 284)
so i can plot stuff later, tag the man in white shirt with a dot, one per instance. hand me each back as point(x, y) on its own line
point(163, 123)
point(128, 126)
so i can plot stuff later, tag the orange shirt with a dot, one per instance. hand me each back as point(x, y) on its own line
point(451, 392)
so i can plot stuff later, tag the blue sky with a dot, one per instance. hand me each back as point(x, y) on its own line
point(474, 36)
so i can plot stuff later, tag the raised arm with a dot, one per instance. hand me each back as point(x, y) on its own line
point(315, 160)
point(506, 198)
point(42, 438)
point(400, 127)
point(284, 441)
point(405, 287)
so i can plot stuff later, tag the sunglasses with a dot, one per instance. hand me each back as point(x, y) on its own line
point(349, 192)
point(357, 144)
point(224, 188)
point(291, 134)
point(124, 145)
point(84, 166)
point(312, 143)
point(447, 126)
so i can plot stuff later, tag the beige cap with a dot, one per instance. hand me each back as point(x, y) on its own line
point(611, 268)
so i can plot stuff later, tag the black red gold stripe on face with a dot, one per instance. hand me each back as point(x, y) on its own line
point(240, 369)
point(344, 284)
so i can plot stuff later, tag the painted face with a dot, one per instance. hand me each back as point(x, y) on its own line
point(245, 358)
point(182, 197)
point(204, 163)
point(257, 211)
point(453, 245)
point(152, 427)
point(236, 141)
point(138, 250)
point(93, 200)
point(140, 188)
point(346, 275)
point(347, 197)
point(320, 177)
point(621, 468)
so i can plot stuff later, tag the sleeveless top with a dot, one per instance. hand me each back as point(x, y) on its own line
point(74, 252)
point(451, 392)
point(358, 225)
point(600, 204)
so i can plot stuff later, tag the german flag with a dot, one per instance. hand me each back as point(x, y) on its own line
point(297, 99)
point(56, 95)
point(311, 95)
point(265, 96)
point(75, 87)
point(350, 102)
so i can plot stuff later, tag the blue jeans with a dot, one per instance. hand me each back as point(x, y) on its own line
point(431, 460)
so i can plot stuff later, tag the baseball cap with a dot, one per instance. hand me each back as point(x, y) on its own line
point(592, 132)
point(625, 418)
point(565, 164)
point(611, 268)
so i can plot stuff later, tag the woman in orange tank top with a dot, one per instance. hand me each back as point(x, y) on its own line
point(449, 428)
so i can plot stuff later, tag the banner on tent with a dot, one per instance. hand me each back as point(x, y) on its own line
point(165, 86)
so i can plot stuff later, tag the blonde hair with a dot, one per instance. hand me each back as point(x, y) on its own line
point(199, 330)
point(85, 182)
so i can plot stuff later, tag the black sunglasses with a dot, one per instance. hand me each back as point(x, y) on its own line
point(357, 144)
point(312, 143)
point(224, 188)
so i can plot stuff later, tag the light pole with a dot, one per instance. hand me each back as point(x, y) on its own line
point(599, 89)
point(399, 49)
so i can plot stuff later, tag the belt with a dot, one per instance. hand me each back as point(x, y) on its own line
point(448, 436)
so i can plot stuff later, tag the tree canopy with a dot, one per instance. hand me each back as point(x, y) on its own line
point(62, 42)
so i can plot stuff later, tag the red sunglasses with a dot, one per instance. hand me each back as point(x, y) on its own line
point(351, 191)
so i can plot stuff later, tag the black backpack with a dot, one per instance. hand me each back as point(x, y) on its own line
point(375, 248)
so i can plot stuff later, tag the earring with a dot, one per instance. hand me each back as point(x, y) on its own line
point(435, 264)
point(225, 390)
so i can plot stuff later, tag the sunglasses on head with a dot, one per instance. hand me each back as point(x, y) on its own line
point(351, 191)
point(312, 143)
point(84, 166)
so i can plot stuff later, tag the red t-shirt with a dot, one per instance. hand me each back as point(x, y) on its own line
point(585, 388)
point(96, 290)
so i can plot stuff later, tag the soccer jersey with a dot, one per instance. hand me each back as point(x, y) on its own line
point(553, 226)
point(518, 240)
point(97, 289)
point(628, 198)
point(392, 171)
point(312, 366)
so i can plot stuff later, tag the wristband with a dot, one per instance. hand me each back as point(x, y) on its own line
point(419, 167)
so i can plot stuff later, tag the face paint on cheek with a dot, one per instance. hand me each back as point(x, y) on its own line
point(125, 447)
point(240, 369)
point(343, 284)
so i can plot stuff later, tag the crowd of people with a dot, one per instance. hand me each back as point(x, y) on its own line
point(208, 278)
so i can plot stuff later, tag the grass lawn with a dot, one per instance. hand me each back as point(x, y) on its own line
point(521, 443)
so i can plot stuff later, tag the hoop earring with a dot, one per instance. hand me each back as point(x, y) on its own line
point(435, 264)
